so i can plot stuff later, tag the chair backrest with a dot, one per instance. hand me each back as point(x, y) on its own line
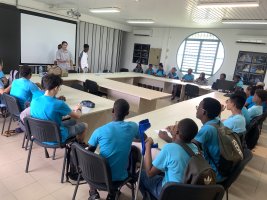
point(191, 90)
point(91, 86)
point(253, 133)
point(77, 86)
point(12, 104)
point(237, 169)
point(42, 130)
point(124, 70)
point(94, 168)
point(106, 71)
point(191, 192)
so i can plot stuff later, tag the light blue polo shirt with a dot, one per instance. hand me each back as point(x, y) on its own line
point(37, 94)
point(249, 102)
point(208, 137)
point(23, 90)
point(149, 71)
point(2, 74)
point(173, 75)
point(246, 115)
point(188, 77)
point(160, 73)
point(240, 84)
point(237, 123)
point(173, 160)
point(50, 108)
point(255, 111)
point(115, 140)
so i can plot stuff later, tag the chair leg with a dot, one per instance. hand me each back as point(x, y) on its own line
point(3, 127)
point(29, 157)
point(54, 154)
point(27, 143)
point(64, 166)
point(8, 129)
point(46, 153)
point(133, 186)
point(76, 187)
point(227, 194)
point(23, 142)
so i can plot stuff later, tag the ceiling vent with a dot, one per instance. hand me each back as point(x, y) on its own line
point(146, 33)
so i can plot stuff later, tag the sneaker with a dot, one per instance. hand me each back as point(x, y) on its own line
point(94, 195)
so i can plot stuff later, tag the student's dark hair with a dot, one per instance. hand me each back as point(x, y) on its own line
point(262, 94)
point(241, 93)
point(238, 100)
point(25, 71)
point(85, 46)
point(160, 65)
point(121, 109)
point(224, 75)
point(150, 65)
point(187, 130)
point(237, 76)
point(59, 46)
point(259, 87)
point(64, 42)
point(50, 81)
point(252, 89)
point(212, 107)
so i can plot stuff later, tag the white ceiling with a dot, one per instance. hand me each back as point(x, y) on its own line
point(169, 13)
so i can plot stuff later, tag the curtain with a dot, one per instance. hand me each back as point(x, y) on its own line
point(105, 46)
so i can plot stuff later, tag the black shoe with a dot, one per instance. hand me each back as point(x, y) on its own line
point(172, 98)
point(94, 195)
point(111, 197)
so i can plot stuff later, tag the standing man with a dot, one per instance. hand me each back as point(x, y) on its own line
point(83, 59)
point(64, 57)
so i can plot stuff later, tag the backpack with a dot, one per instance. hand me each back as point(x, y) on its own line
point(231, 151)
point(14, 74)
point(198, 170)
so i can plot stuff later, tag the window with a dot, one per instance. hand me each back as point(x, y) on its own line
point(202, 52)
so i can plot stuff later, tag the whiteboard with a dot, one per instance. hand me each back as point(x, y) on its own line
point(40, 37)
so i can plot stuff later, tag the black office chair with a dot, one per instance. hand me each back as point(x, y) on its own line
point(43, 132)
point(72, 71)
point(149, 87)
point(106, 71)
point(124, 70)
point(262, 119)
point(253, 133)
point(14, 110)
point(92, 88)
point(139, 84)
point(95, 171)
point(172, 191)
point(155, 88)
point(77, 86)
point(236, 171)
point(191, 91)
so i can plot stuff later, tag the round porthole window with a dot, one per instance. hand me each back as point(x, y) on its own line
point(201, 52)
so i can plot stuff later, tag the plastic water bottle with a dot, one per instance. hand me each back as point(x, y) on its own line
point(41, 71)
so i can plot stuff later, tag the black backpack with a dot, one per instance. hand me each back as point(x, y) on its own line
point(198, 170)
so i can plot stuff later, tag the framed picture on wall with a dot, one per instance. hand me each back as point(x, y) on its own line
point(251, 66)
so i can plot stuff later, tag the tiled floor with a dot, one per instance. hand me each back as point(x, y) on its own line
point(43, 180)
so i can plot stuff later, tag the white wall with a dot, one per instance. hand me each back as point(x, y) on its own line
point(169, 39)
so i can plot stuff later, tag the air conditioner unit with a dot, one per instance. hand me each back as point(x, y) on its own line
point(139, 32)
point(249, 39)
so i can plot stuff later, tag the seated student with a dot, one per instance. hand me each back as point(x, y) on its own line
point(160, 72)
point(172, 74)
point(244, 109)
point(172, 159)
point(250, 91)
point(238, 81)
point(236, 122)
point(208, 111)
point(23, 88)
point(47, 107)
point(150, 70)
point(138, 68)
point(222, 77)
point(189, 77)
point(259, 97)
point(201, 80)
point(115, 140)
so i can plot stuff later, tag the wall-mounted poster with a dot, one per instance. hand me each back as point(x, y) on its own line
point(251, 66)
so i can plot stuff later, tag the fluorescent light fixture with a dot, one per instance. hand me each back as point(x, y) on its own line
point(236, 4)
point(140, 21)
point(104, 10)
point(244, 21)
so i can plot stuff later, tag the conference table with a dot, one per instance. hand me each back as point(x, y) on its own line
point(166, 116)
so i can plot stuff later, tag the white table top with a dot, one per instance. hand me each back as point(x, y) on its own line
point(166, 116)
point(103, 81)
